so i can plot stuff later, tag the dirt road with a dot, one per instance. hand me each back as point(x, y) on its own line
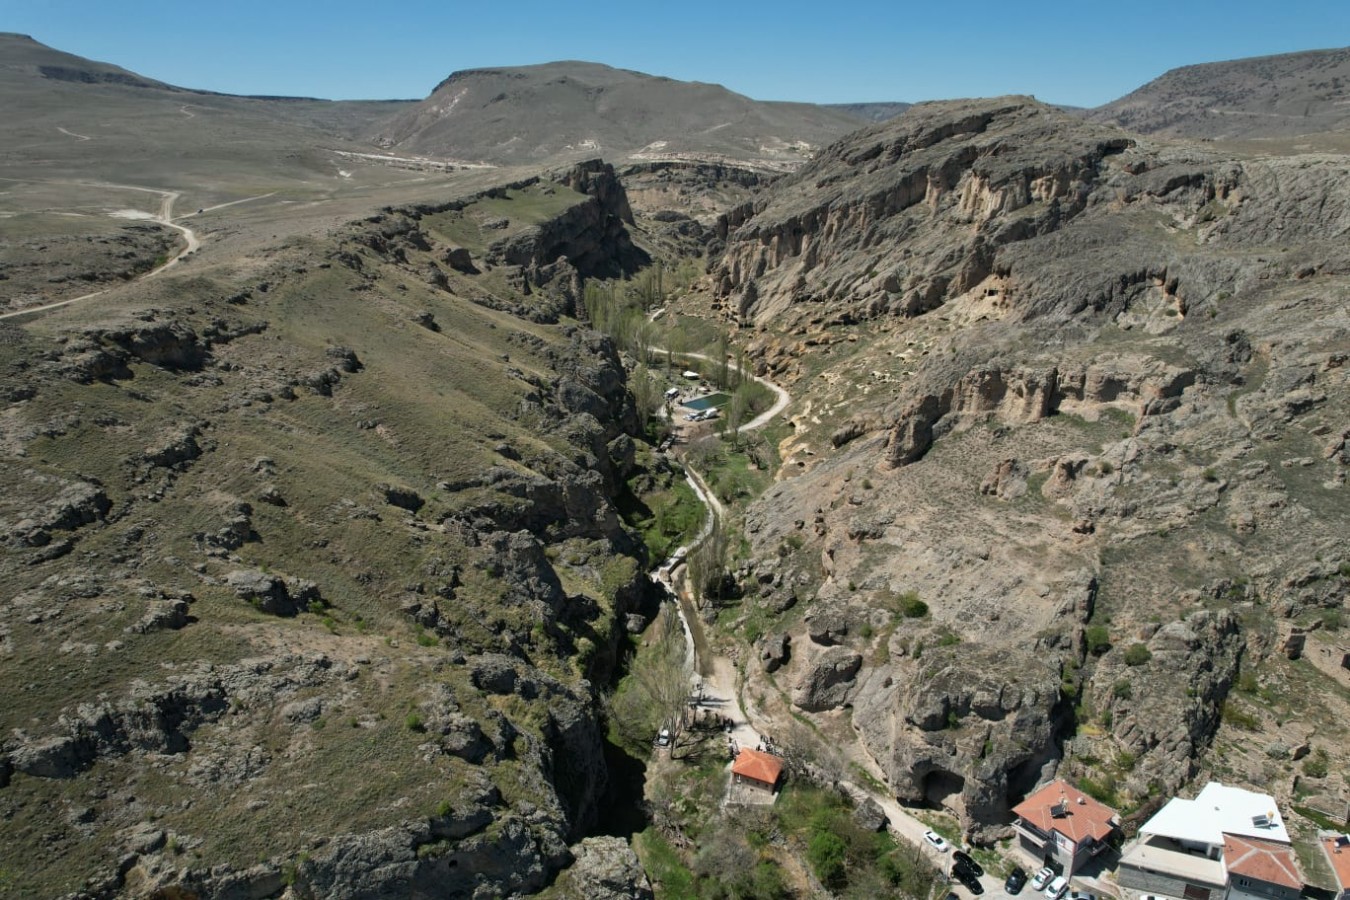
point(163, 217)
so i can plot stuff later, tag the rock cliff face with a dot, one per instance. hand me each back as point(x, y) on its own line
point(313, 579)
point(1067, 387)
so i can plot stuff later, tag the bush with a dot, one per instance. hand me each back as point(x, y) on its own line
point(911, 607)
point(826, 852)
point(1230, 714)
point(414, 723)
point(1315, 766)
point(1137, 655)
point(1098, 639)
point(1122, 689)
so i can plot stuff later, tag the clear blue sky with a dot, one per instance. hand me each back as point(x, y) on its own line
point(1082, 53)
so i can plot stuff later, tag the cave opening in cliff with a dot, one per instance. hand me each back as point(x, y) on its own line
point(1023, 779)
point(943, 790)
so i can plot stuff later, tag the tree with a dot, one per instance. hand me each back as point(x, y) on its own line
point(723, 360)
point(709, 563)
point(655, 693)
point(647, 397)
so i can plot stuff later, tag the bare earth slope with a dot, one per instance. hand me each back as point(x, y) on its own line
point(1084, 396)
point(575, 109)
point(1263, 97)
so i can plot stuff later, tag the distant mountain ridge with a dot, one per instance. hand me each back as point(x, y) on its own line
point(873, 112)
point(1265, 96)
point(559, 110)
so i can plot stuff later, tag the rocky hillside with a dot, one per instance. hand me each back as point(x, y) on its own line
point(1267, 96)
point(313, 565)
point(531, 114)
point(1069, 457)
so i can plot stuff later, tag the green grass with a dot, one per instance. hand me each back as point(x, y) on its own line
point(521, 207)
point(669, 874)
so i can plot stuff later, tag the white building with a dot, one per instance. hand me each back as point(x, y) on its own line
point(1226, 844)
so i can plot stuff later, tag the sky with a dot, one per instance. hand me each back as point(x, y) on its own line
point(1082, 54)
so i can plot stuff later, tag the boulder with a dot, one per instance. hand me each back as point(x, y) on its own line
point(827, 626)
point(869, 815)
point(605, 868)
point(827, 682)
point(265, 591)
point(774, 653)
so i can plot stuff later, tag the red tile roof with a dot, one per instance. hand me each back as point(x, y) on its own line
point(1339, 857)
point(1268, 861)
point(759, 766)
point(1085, 817)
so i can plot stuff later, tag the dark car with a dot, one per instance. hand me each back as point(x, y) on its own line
point(966, 861)
point(1017, 879)
point(968, 878)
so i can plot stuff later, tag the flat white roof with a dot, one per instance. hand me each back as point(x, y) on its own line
point(1219, 808)
point(1144, 855)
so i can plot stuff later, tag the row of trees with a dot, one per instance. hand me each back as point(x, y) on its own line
point(655, 692)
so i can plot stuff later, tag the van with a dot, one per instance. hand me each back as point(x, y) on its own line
point(1057, 888)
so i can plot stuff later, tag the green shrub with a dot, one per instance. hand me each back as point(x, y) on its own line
point(1137, 655)
point(1103, 789)
point(1098, 639)
point(1315, 766)
point(1239, 718)
point(414, 723)
point(826, 852)
point(1122, 689)
point(911, 607)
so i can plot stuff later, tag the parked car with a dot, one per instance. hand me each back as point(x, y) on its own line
point(1017, 879)
point(936, 841)
point(965, 859)
point(971, 882)
point(1057, 888)
point(663, 738)
point(1082, 895)
point(1043, 877)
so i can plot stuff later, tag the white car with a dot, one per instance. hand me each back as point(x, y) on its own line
point(1057, 888)
point(1042, 878)
point(936, 841)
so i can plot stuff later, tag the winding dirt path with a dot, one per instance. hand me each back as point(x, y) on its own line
point(718, 679)
point(163, 217)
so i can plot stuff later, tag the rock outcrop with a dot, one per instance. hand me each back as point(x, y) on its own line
point(1062, 385)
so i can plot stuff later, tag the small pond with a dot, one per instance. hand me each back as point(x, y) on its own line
point(708, 401)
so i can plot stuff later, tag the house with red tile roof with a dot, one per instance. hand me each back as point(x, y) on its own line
point(757, 769)
point(1059, 825)
point(1336, 847)
point(1260, 869)
point(1228, 843)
